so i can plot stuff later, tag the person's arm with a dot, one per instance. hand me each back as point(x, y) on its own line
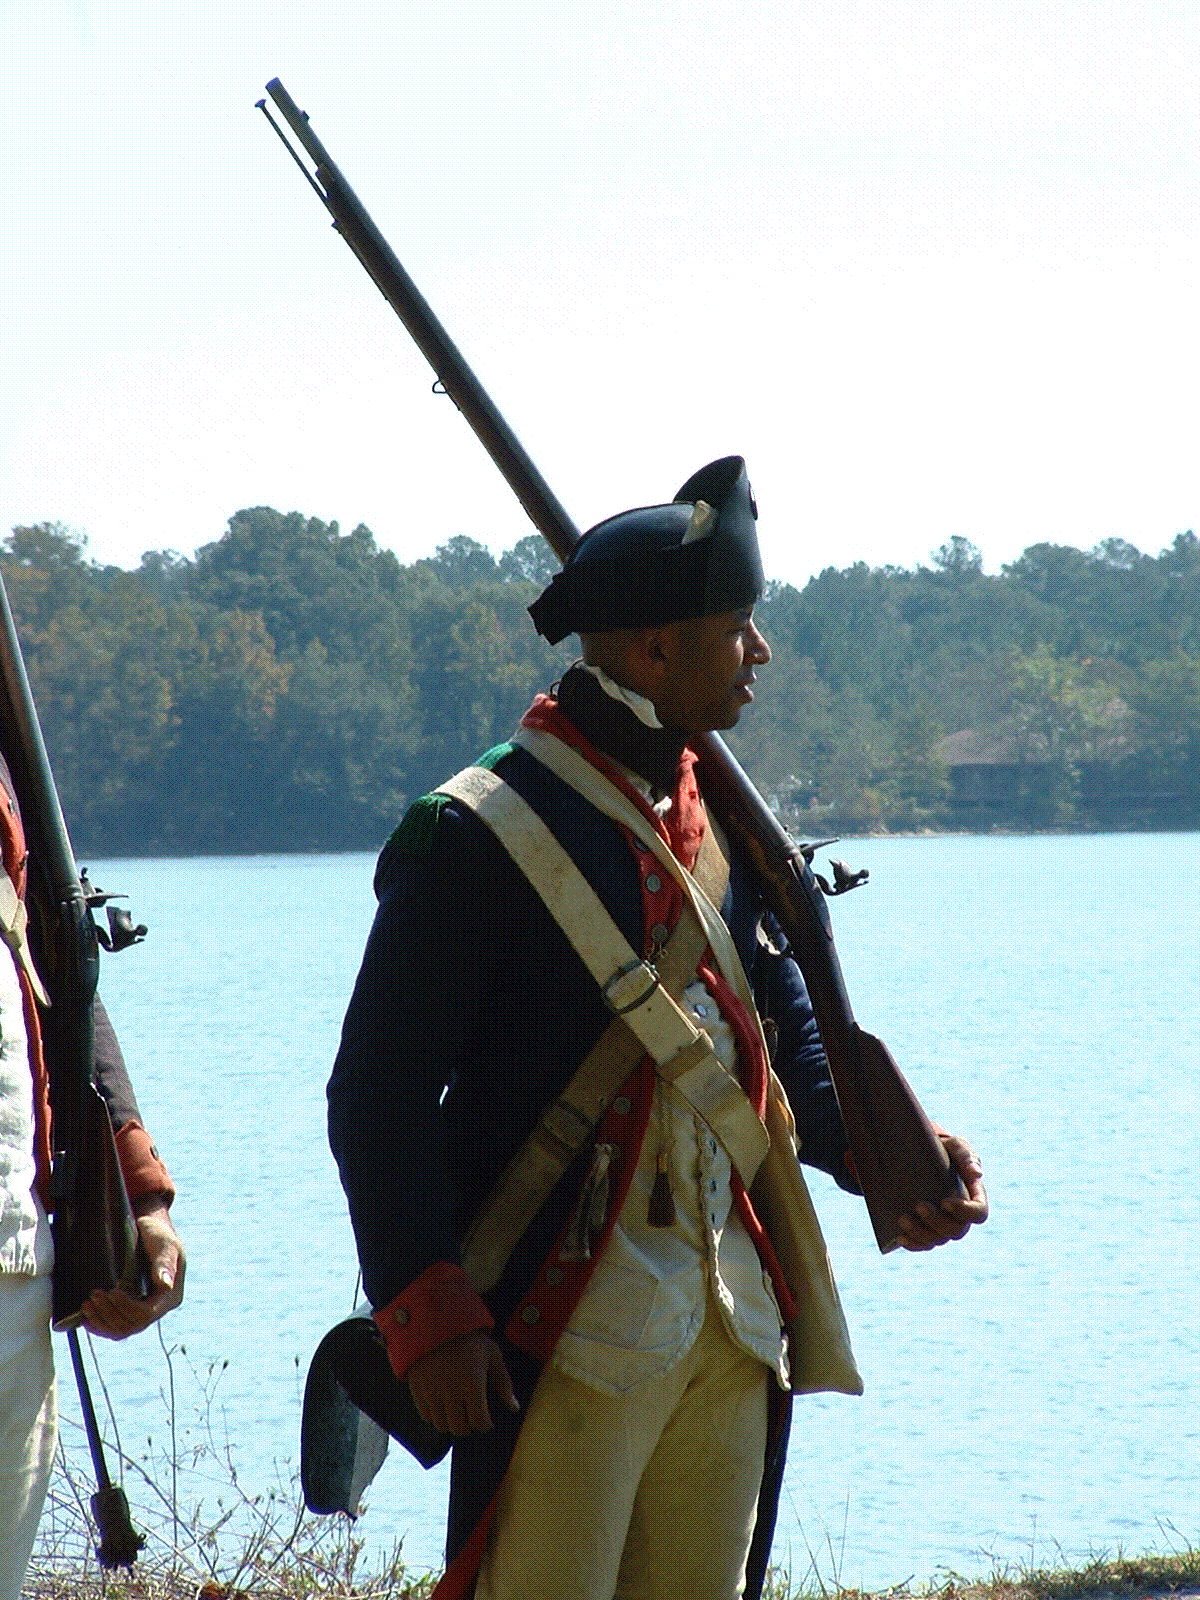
point(115, 1313)
point(800, 1062)
point(404, 1026)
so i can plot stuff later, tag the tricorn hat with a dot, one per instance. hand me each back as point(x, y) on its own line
point(696, 557)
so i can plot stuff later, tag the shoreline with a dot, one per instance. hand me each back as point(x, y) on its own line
point(1147, 1577)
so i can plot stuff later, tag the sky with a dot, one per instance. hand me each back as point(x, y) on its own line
point(929, 265)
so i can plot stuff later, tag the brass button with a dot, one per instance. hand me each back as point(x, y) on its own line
point(530, 1315)
point(402, 1315)
point(659, 932)
point(653, 882)
point(622, 1105)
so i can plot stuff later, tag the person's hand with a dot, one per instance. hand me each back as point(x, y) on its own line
point(929, 1226)
point(115, 1313)
point(450, 1384)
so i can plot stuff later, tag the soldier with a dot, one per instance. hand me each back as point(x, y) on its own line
point(28, 1410)
point(560, 1241)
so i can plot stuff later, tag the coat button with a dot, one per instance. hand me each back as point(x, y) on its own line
point(530, 1315)
point(402, 1316)
point(659, 932)
point(554, 1276)
point(622, 1105)
point(653, 882)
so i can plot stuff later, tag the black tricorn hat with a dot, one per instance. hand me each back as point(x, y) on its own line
point(696, 557)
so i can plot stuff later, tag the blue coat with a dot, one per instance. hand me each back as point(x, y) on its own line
point(470, 1014)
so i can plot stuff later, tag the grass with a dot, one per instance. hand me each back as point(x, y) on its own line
point(1103, 1577)
point(209, 1537)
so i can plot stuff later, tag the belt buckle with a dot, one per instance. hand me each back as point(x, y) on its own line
point(620, 976)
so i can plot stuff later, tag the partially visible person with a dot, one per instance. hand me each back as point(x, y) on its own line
point(28, 1410)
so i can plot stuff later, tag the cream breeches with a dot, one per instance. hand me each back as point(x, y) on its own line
point(648, 1495)
point(28, 1420)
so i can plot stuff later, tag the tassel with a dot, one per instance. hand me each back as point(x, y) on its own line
point(661, 1211)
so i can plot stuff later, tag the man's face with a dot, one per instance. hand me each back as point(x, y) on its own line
point(707, 671)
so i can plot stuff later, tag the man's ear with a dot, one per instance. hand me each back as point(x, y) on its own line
point(653, 649)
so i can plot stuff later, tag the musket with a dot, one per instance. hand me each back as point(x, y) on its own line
point(95, 1234)
point(897, 1155)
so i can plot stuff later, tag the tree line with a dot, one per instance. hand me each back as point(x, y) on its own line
point(293, 687)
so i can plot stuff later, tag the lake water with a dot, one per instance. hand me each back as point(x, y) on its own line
point(1033, 1395)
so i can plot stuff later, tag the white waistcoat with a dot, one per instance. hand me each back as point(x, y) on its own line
point(25, 1243)
point(644, 1305)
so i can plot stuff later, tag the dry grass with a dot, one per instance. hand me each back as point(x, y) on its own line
point(1103, 1578)
point(208, 1537)
point(1120, 1579)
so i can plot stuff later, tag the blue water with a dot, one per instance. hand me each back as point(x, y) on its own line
point(1032, 1394)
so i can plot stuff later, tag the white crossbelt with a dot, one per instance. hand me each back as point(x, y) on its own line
point(821, 1357)
point(682, 1053)
point(574, 769)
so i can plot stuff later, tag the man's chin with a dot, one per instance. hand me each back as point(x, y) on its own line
point(718, 719)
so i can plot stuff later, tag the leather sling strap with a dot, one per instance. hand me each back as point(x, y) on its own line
point(632, 988)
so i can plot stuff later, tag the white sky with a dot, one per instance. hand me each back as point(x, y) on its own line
point(930, 265)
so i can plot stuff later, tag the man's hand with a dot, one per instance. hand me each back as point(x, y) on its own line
point(930, 1226)
point(450, 1384)
point(115, 1313)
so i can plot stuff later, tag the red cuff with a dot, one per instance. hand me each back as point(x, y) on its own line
point(141, 1167)
point(440, 1305)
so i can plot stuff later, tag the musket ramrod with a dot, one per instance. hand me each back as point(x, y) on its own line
point(897, 1155)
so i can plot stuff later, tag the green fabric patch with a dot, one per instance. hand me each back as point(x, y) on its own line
point(415, 834)
point(418, 828)
point(497, 753)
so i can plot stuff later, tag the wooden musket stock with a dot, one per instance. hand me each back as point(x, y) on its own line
point(897, 1155)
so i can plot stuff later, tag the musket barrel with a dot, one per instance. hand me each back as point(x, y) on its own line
point(356, 226)
point(899, 1158)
